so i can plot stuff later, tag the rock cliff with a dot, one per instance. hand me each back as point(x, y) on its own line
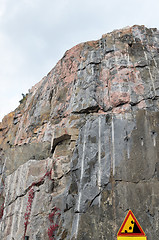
point(82, 148)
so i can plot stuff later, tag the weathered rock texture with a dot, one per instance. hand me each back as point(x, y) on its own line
point(83, 146)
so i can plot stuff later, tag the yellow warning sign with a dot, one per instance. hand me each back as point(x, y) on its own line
point(131, 238)
point(131, 229)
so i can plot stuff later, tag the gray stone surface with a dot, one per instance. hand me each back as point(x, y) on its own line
point(85, 141)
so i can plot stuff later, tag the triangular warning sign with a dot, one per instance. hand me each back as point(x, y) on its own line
point(130, 226)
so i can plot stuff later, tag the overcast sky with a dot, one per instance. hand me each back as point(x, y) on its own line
point(34, 35)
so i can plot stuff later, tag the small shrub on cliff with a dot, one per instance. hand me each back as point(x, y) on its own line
point(53, 217)
point(1, 211)
point(28, 209)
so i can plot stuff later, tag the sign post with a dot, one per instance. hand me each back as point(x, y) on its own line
point(131, 229)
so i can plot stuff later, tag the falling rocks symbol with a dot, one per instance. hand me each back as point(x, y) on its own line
point(131, 229)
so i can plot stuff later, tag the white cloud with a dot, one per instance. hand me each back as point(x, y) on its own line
point(2, 7)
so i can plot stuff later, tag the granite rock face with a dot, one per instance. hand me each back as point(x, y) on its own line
point(82, 148)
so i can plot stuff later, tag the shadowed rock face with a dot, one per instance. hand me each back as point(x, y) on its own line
point(82, 148)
